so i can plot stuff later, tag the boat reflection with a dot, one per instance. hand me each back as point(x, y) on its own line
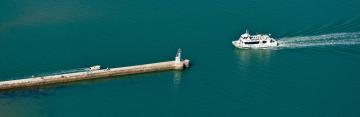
point(248, 57)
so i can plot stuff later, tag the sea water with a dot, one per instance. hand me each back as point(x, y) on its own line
point(313, 73)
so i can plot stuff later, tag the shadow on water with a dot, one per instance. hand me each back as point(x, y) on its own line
point(31, 92)
point(47, 12)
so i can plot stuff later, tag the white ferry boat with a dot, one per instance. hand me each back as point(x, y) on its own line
point(255, 41)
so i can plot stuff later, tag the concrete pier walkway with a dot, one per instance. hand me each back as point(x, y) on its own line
point(177, 64)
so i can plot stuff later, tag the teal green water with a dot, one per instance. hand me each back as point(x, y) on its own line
point(314, 72)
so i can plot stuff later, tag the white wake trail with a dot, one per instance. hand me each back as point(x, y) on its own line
point(333, 39)
point(62, 72)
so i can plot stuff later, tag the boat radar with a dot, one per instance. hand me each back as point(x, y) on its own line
point(255, 41)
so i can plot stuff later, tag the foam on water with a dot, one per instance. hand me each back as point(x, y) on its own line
point(56, 73)
point(63, 72)
point(333, 39)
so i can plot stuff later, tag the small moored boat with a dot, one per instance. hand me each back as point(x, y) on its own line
point(93, 68)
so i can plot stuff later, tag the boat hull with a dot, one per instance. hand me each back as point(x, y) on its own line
point(238, 44)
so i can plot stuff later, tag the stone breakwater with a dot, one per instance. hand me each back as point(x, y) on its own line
point(94, 74)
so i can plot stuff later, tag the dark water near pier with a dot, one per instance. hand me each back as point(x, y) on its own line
point(314, 72)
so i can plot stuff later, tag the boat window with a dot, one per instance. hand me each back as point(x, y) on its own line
point(272, 41)
point(264, 41)
point(255, 42)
